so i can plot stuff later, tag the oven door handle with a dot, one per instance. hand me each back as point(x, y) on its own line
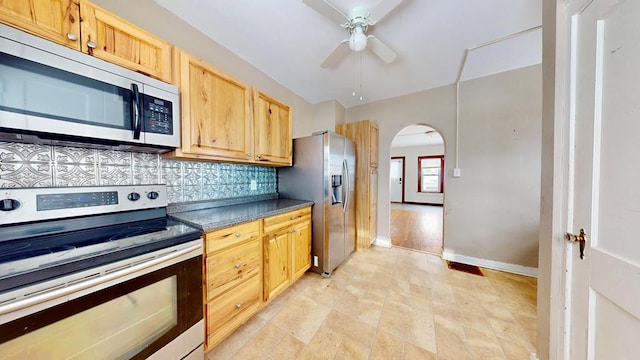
point(97, 281)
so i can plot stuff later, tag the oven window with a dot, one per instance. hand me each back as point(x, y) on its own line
point(116, 329)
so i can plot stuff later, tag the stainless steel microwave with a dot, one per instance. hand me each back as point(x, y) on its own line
point(56, 95)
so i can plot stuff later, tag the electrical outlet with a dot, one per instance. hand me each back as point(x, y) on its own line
point(457, 172)
point(253, 185)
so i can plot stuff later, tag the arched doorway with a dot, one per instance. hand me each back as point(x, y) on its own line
point(416, 189)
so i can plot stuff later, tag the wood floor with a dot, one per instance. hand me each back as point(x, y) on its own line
point(416, 228)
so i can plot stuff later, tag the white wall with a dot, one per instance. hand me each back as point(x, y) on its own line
point(492, 211)
point(410, 182)
point(326, 115)
point(157, 20)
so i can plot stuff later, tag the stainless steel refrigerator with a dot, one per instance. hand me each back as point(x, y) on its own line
point(323, 171)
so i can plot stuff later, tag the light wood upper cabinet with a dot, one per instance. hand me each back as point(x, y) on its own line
point(110, 38)
point(272, 127)
point(216, 113)
point(84, 26)
point(223, 119)
point(55, 20)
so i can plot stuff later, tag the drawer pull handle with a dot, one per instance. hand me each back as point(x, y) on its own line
point(238, 235)
point(238, 306)
point(238, 266)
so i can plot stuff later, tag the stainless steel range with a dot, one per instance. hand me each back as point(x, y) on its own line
point(98, 272)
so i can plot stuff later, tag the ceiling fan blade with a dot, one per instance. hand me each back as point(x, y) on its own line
point(381, 49)
point(383, 8)
point(327, 10)
point(339, 53)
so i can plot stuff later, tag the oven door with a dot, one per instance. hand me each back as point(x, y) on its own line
point(133, 310)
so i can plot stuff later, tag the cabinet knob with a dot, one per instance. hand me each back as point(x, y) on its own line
point(238, 266)
point(91, 44)
point(258, 156)
point(238, 235)
point(72, 37)
point(248, 154)
point(238, 306)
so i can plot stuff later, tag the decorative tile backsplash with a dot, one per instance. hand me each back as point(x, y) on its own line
point(32, 165)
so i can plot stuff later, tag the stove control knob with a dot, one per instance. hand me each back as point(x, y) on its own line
point(134, 196)
point(153, 195)
point(9, 204)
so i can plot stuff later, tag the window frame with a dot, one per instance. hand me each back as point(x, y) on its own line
point(441, 176)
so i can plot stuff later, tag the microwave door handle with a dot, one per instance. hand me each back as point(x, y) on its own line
point(135, 111)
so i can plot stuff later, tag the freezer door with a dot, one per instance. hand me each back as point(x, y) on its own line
point(350, 208)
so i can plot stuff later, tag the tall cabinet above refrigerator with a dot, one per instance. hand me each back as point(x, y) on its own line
point(323, 171)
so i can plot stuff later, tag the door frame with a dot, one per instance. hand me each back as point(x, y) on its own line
point(555, 178)
point(404, 164)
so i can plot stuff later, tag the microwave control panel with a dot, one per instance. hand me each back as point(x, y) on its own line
point(158, 115)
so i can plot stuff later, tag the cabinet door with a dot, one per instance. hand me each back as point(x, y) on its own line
point(55, 20)
point(373, 205)
point(300, 249)
point(110, 38)
point(373, 146)
point(272, 127)
point(216, 116)
point(276, 263)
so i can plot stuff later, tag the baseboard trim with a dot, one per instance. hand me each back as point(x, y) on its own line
point(382, 242)
point(490, 264)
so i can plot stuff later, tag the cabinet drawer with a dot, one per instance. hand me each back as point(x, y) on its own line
point(228, 268)
point(223, 238)
point(228, 312)
point(283, 220)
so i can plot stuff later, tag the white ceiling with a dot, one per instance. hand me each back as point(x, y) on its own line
point(417, 135)
point(288, 40)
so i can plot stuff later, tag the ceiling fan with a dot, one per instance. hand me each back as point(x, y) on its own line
point(356, 23)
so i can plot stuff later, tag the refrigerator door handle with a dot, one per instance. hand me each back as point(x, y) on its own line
point(346, 189)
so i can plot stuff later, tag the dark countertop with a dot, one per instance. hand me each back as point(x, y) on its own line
point(219, 217)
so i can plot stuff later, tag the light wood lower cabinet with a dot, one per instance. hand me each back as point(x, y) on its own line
point(247, 265)
point(277, 268)
point(232, 270)
point(300, 249)
point(287, 250)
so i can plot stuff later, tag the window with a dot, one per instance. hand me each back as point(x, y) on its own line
point(430, 170)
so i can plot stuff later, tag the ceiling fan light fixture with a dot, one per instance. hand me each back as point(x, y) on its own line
point(357, 40)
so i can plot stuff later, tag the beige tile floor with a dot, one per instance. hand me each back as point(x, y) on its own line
point(393, 304)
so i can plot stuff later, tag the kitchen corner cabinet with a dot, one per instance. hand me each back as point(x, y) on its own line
point(232, 278)
point(272, 128)
point(111, 38)
point(287, 250)
point(83, 26)
point(364, 135)
point(55, 20)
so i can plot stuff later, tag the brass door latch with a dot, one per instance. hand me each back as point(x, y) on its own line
point(582, 238)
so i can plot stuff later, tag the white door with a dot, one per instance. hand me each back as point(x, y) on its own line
point(395, 183)
point(604, 196)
